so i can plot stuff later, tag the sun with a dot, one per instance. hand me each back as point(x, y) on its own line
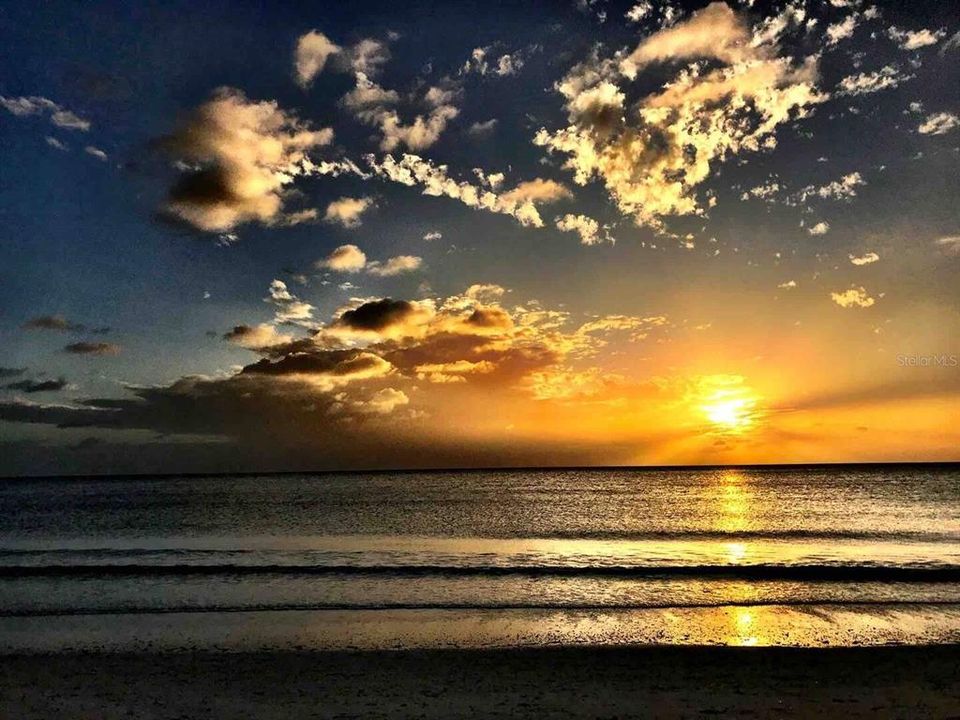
point(730, 414)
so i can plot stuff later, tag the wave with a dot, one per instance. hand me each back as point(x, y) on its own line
point(760, 534)
point(877, 573)
point(544, 606)
point(580, 534)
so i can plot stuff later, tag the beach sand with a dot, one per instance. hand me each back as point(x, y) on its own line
point(562, 682)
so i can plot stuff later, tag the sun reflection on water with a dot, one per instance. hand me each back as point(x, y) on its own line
point(734, 503)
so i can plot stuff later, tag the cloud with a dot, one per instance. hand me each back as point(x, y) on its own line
point(311, 54)
point(452, 372)
point(569, 385)
point(394, 266)
point(288, 308)
point(484, 128)
point(383, 318)
point(36, 105)
point(369, 376)
point(939, 124)
point(854, 297)
point(715, 32)
point(485, 293)
point(865, 259)
point(346, 258)
point(521, 202)
point(323, 369)
point(375, 106)
point(367, 99)
point(6, 372)
point(70, 121)
point(57, 323)
point(586, 227)
point(864, 83)
point(535, 191)
point(788, 285)
point(639, 11)
point(950, 245)
point(652, 157)
point(92, 348)
point(952, 44)
point(766, 192)
point(481, 63)
point(843, 189)
point(382, 402)
point(95, 152)
point(54, 143)
point(367, 56)
point(351, 259)
point(346, 211)
point(298, 217)
point(434, 180)
point(237, 157)
point(422, 133)
point(821, 228)
point(35, 386)
point(915, 39)
point(256, 337)
point(433, 235)
point(841, 30)
point(25, 106)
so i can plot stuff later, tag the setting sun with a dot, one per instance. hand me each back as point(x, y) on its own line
point(731, 414)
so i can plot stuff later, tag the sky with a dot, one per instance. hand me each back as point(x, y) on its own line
point(249, 237)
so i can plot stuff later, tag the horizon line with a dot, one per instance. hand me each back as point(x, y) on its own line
point(488, 468)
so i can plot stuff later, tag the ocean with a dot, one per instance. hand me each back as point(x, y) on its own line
point(781, 556)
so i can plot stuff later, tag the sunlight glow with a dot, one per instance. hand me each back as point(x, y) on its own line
point(731, 411)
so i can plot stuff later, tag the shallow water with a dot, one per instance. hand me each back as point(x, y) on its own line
point(798, 556)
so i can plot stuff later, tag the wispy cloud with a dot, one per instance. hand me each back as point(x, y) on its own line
point(36, 105)
point(939, 124)
point(92, 348)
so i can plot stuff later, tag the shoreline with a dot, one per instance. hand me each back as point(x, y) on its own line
point(546, 682)
point(773, 626)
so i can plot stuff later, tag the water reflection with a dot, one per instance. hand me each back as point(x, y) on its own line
point(743, 625)
point(734, 505)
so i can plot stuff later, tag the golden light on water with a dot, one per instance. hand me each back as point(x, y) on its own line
point(744, 634)
point(733, 507)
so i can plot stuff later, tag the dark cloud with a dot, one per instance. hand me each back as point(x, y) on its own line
point(92, 348)
point(35, 386)
point(6, 372)
point(88, 443)
point(57, 323)
point(339, 363)
point(490, 317)
point(237, 332)
point(251, 408)
point(511, 362)
point(377, 315)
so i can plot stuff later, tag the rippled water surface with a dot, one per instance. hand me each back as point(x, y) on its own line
point(855, 542)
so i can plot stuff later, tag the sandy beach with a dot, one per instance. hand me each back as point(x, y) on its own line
point(896, 682)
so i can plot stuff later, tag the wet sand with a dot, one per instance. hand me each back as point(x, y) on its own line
point(561, 682)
